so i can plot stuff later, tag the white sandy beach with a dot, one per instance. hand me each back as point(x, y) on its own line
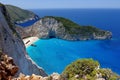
point(30, 40)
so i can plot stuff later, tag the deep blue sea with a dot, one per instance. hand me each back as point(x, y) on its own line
point(55, 54)
point(27, 23)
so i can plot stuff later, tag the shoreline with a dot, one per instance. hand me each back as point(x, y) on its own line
point(29, 41)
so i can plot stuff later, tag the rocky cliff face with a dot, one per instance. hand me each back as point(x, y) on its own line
point(51, 27)
point(48, 28)
point(11, 44)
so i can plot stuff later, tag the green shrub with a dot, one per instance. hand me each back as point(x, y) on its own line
point(107, 74)
point(87, 69)
point(81, 68)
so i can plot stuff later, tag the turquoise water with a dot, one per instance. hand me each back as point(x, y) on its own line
point(55, 54)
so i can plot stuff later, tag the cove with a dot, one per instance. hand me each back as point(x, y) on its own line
point(53, 55)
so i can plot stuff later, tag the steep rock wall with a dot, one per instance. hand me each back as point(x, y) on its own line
point(11, 44)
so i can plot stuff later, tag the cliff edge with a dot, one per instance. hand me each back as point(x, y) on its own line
point(11, 44)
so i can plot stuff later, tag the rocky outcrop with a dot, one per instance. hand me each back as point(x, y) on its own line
point(54, 76)
point(7, 67)
point(57, 27)
point(11, 44)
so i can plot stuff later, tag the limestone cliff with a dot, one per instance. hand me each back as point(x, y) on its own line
point(11, 44)
point(58, 27)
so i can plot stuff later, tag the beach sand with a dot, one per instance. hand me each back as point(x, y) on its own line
point(30, 40)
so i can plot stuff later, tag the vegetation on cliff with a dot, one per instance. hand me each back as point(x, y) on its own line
point(87, 69)
point(18, 14)
point(72, 31)
point(8, 19)
point(73, 28)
